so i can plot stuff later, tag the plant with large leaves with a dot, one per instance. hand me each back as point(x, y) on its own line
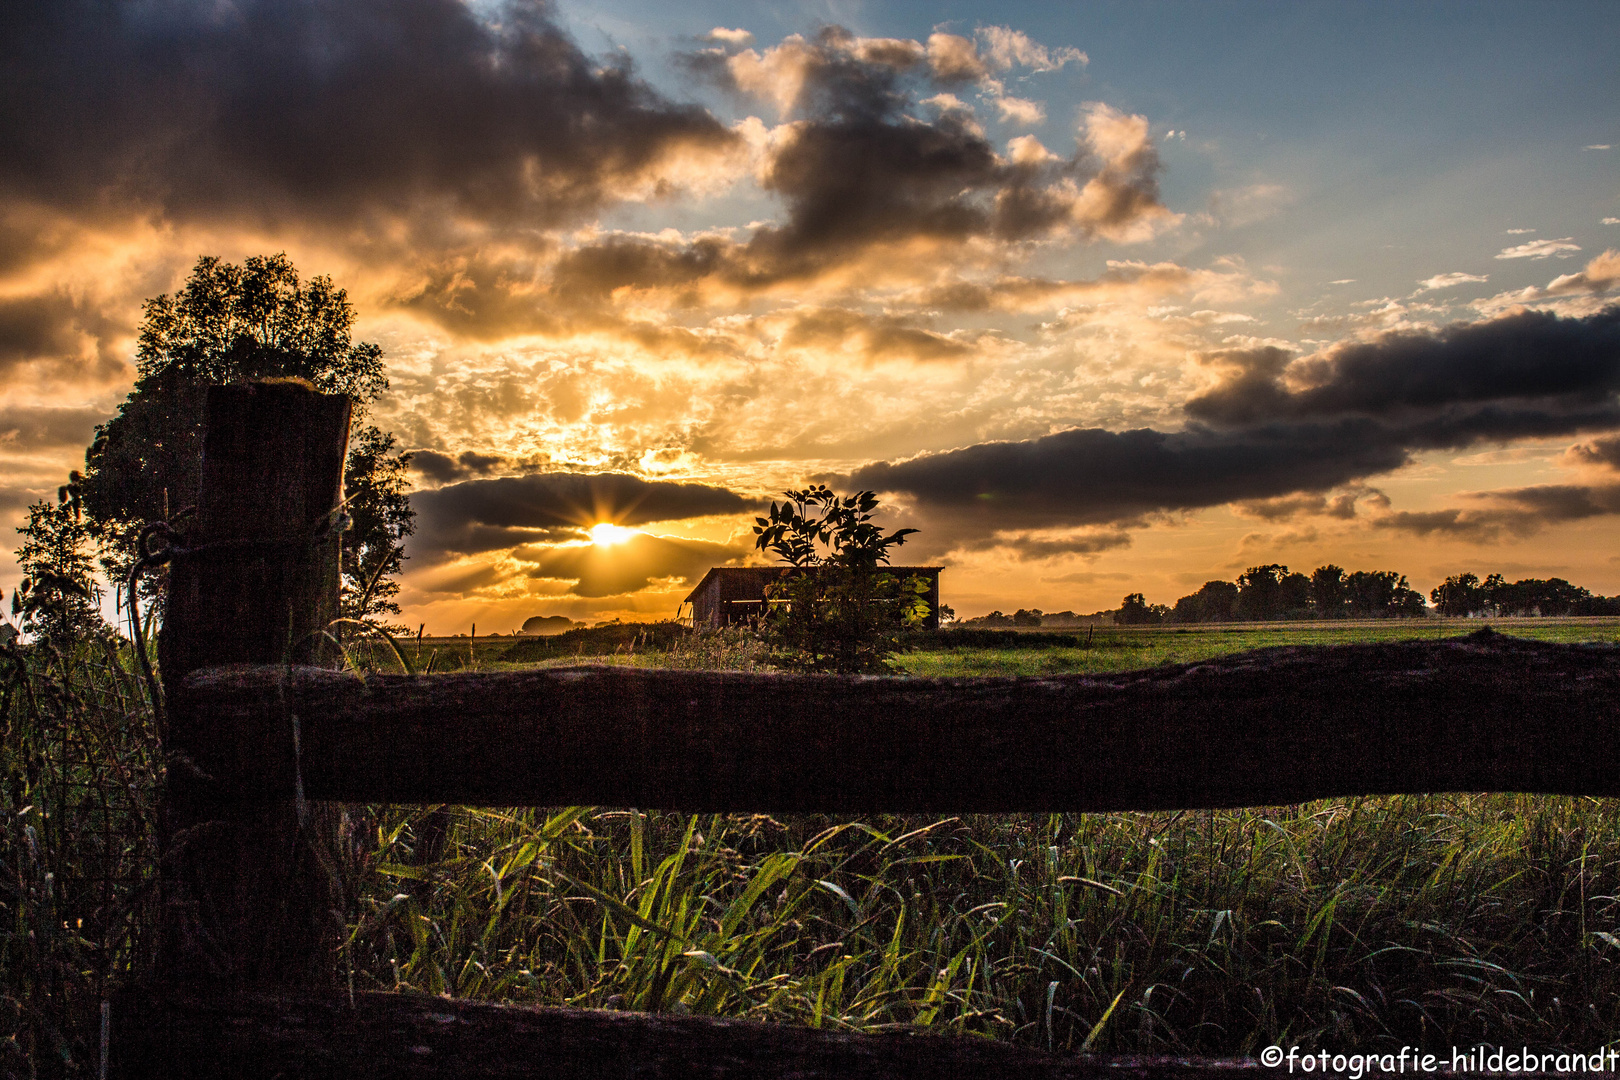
point(834, 609)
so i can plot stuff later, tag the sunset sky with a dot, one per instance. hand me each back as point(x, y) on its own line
point(1101, 298)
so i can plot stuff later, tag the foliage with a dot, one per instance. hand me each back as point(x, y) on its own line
point(1370, 923)
point(1213, 602)
point(1271, 592)
point(1134, 610)
point(1457, 595)
point(381, 515)
point(57, 598)
point(231, 324)
point(1465, 594)
point(80, 761)
point(834, 610)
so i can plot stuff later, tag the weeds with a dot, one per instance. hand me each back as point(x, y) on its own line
point(77, 859)
point(1362, 923)
point(1372, 922)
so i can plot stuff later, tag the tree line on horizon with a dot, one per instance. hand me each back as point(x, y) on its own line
point(1271, 592)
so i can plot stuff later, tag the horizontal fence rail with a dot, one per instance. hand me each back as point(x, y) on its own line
point(377, 1036)
point(1284, 725)
point(259, 752)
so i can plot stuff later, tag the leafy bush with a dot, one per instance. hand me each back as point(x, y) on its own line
point(836, 611)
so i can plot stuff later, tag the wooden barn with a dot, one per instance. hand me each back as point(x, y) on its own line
point(728, 594)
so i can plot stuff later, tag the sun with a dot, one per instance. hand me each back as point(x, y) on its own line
point(606, 534)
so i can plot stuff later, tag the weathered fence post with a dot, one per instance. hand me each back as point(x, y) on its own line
point(250, 897)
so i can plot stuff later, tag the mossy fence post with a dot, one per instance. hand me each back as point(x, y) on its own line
point(250, 896)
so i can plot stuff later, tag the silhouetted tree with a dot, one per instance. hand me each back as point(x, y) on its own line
point(1382, 594)
point(1328, 596)
point(231, 324)
point(1134, 610)
point(1260, 594)
point(57, 600)
point(1213, 602)
point(1457, 595)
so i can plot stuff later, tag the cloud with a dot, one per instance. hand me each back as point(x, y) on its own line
point(1094, 476)
point(1498, 378)
point(1020, 110)
point(1446, 281)
point(1599, 146)
point(1274, 426)
point(42, 427)
point(1599, 276)
point(872, 337)
point(1540, 249)
point(1514, 513)
point(954, 59)
point(475, 516)
point(637, 563)
point(1603, 451)
point(1006, 48)
point(64, 332)
point(360, 111)
point(1611, 221)
point(871, 186)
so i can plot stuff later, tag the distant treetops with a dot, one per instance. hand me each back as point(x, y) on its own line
point(1272, 592)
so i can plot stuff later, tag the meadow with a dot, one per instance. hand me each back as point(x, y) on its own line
point(1350, 925)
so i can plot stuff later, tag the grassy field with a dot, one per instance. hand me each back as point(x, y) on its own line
point(1347, 925)
point(1104, 649)
point(1126, 649)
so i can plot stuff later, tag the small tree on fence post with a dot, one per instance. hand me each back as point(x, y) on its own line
point(249, 896)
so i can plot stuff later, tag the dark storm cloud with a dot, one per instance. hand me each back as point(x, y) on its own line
point(485, 515)
point(42, 426)
point(1365, 410)
point(1516, 512)
point(51, 326)
point(1092, 476)
point(1533, 361)
point(328, 108)
point(1603, 451)
point(629, 566)
point(444, 469)
point(865, 163)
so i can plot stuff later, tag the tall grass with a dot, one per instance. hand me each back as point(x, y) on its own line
point(1362, 923)
point(1346, 924)
point(77, 858)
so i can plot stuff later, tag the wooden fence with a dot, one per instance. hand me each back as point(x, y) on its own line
point(260, 749)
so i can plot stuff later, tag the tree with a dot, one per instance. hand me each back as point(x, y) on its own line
point(231, 324)
point(1457, 595)
point(1260, 593)
point(1382, 594)
point(374, 494)
point(833, 609)
point(1213, 602)
point(1328, 592)
point(57, 600)
point(1134, 610)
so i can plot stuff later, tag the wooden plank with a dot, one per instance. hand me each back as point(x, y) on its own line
point(1479, 713)
point(170, 1034)
point(250, 896)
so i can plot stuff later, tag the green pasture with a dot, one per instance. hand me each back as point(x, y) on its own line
point(1355, 924)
